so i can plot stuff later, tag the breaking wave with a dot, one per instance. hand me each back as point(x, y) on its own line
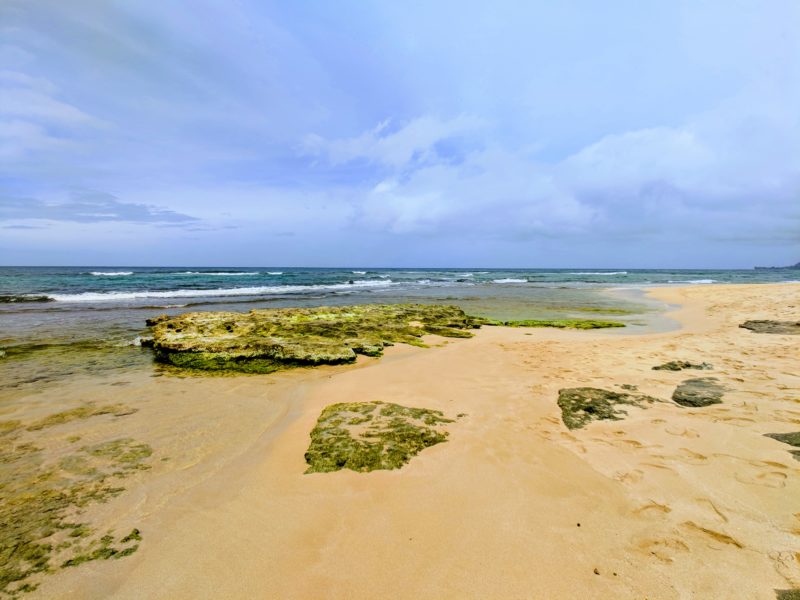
point(240, 291)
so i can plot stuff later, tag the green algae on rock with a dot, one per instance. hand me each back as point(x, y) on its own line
point(42, 496)
point(700, 392)
point(581, 405)
point(267, 340)
point(680, 365)
point(364, 436)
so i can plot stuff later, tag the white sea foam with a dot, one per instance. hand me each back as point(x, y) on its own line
point(274, 272)
point(694, 281)
point(359, 272)
point(241, 291)
point(596, 273)
point(220, 273)
point(111, 273)
point(510, 280)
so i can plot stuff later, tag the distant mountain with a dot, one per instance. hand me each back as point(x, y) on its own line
point(794, 266)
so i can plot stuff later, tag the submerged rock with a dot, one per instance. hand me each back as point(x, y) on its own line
point(781, 327)
point(679, 365)
point(581, 405)
point(364, 436)
point(262, 341)
point(793, 439)
point(699, 392)
point(561, 323)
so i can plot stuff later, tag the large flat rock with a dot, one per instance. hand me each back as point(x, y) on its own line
point(262, 341)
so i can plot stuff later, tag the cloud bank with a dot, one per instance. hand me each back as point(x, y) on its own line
point(521, 135)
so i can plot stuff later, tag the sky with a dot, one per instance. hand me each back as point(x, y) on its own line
point(376, 133)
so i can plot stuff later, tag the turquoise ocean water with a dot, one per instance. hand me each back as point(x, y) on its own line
point(60, 320)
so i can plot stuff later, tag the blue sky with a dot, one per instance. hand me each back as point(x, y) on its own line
point(318, 133)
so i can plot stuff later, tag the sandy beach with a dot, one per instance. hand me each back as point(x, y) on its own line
point(669, 502)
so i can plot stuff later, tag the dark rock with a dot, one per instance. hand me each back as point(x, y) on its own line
point(703, 391)
point(780, 327)
point(787, 594)
point(793, 439)
point(581, 405)
point(679, 365)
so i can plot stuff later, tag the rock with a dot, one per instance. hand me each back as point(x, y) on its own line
point(263, 341)
point(581, 405)
point(793, 439)
point(564, 323)
point(365, 436)
point(699, 392)
point(780, 327)
point(679, 365)
point(787, 594)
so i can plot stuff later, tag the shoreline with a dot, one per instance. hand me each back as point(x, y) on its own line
point(491, 512)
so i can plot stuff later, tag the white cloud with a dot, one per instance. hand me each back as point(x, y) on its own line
point(415, 142)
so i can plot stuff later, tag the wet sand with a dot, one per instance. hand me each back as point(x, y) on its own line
point(670, 502)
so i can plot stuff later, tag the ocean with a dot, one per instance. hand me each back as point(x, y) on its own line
point(57, 321)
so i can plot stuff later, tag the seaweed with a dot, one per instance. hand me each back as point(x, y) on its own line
point(81, 412)
point(365, 436)
point(581, 405)
point(41, 500)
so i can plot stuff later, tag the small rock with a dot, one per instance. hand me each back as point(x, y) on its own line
point(699, 392)
point(596, 572)
point(679, 365)
point(780, 327)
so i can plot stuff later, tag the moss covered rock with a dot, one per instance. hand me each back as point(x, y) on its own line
point(581, 405)
point(262, 341)
point(364, 436)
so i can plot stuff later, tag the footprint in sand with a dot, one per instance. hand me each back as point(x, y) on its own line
point(653, 508)
point(682, 432)
point(786, 563)
point(685, 456)
point(690, 457)
point(634, 476)
point(664, 549)
point(772, 479)
point(721, 515)
point(715, 540)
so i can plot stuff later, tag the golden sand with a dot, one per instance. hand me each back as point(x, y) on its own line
point(670, 502)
